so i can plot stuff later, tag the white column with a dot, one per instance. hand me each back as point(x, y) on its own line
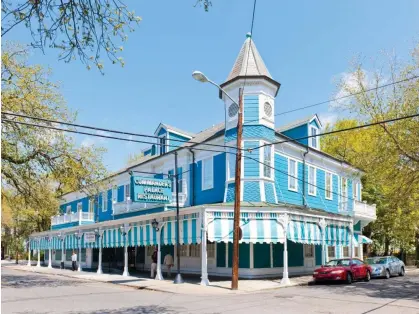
point(99, 268)
point(323, 230)
point(204, 255)
point(62, 251)
point(29, 254)
point(39, 254)
point(79, 235)
point(351, 228)
point(49, 257)
point(126, 230)
point(159, 275)
point(285, 279)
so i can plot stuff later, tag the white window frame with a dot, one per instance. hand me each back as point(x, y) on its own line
point(114, 194)
point(265, 164)
point(211, 184)
point(127, 192)
point(316, 139)
point(231, 164)
point(79, 206)
point(355, 190)
point(326, 173)
point(312, 185)
point(91, 205)
point(334, 252)
point(345, 254)
point(68, 209)
point(104, 201)
point(295, 189)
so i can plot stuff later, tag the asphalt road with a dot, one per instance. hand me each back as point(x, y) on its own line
point(33, 293)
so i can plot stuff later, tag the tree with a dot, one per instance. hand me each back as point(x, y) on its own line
point(39, 165)
point(388, 153)
point(83, 29)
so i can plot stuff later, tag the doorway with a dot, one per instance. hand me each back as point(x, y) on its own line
point(309, 256)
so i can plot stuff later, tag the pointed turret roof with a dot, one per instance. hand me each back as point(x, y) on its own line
point(249, 64)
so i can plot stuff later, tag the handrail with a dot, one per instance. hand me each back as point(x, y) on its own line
point(73, 217)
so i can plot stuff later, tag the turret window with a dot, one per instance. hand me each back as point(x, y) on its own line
point(267, 160)
point(311, 180)
point(314, 140)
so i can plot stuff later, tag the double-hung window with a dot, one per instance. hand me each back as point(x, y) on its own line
point(162, 142)
point(127, 192)
point(232, 164)
point(314, 140)
point(328, 187)
point(331, 252)
point(207, 173)
point(267, 160)
point(292, 174)
point(92, 205)
point(311, 180)
point(79, 207)
point(104, 201)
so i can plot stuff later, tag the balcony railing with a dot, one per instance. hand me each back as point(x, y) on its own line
point(365, 211)
point(130, 206)
point(73, 217)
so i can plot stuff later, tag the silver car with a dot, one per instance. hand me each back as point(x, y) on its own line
point(386, 266)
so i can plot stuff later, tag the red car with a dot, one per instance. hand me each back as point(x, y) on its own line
point(345, 269)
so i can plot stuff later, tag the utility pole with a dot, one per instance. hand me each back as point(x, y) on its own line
point(237, 193)
point(178, 278)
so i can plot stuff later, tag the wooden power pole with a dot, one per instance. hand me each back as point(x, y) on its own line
point(236, 230)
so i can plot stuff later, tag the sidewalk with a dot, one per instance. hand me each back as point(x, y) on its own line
point(191, 285)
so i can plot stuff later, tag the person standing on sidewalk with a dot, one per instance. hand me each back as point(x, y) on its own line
point(74, 261)
point(153, 263)
point(168, 261)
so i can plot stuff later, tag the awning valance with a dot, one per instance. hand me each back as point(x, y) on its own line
point(363, 239)
point(304, 232)
point(255, 229)
point(338, 235)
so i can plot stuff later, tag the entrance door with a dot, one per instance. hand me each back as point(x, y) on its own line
point(309, 256)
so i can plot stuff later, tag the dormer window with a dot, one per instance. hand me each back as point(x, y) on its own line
point(314, 140)
point(162, 142)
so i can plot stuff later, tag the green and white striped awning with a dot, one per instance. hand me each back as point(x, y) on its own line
point(339, 235)
point(304, 232)
point(256, 228)
point(363, 239)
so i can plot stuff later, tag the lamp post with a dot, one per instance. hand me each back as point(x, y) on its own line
point(156, 225)
point(199, 76)
point(79, 234)
point(99, 233)
point(124, 231)
point(49, 251)
point(178, 278)
point(61, 236)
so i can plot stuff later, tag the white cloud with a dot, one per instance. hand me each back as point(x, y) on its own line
point(328, 118)
point(92, 140)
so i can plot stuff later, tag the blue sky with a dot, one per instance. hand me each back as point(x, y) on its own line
point(305, 45)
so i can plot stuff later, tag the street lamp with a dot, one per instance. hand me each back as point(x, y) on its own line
point(61, 236)
point(155, 224)
point(124, 231)
point(199, 76)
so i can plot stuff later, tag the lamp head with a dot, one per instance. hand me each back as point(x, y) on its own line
point(199, 76)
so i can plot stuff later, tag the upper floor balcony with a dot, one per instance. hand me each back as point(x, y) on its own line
point(77, 218)
point(360, 210)
point(129, 206)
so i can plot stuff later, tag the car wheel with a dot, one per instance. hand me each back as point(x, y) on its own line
point(368, 277)
point(401, 272)
point(348, 278)
point(387, 274)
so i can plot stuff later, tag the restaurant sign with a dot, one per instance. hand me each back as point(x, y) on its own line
point(150, 190)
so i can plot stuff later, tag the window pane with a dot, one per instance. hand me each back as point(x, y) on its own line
point(127, 191)
point(314, 139)
point(292, 175)
point(207, 173)
point(267, 170)
point(311, 180)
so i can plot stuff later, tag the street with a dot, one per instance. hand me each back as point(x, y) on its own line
point(24, 292)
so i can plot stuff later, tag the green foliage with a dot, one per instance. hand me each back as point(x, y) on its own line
point(39, 165)
point(388, 153)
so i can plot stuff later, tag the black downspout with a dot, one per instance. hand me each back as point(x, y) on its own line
point(193, 177)
point(304, 178)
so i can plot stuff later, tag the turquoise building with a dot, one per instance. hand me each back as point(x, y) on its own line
point(299, 206)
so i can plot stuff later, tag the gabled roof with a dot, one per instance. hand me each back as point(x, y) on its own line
point(298, 123)
point(174, 129)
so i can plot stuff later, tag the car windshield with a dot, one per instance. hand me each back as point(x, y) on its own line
point(338, 262)
point(377, 260)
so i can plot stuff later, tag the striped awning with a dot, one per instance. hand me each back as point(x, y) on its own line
point(255, 229)
point(304, 232)
point(72, 242)
point(56, 243)
point(363, 239)
point(338, 235)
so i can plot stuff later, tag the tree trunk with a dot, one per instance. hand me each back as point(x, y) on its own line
point(386, 246)
point(417, 249)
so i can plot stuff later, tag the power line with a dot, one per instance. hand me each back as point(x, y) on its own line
point(110, 130)
point(341, 130)
point(342, 97)
point(137, 141)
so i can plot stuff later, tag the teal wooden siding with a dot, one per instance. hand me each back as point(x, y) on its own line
point(230, 192)
point(251, 191)
point(174, 144)
point(251, 131)
point(297, 132)
point(261, 255)
point(251, 166)
point(281, 182)
point(269, 192)
point(251, 109)
point(318, 253)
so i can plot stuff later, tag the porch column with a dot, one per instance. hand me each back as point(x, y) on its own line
point(126, 230)
point(323, 229)
point(204, 255)
point(80, 234)
point(351, 228)
point(99, 267)
point(29, 255)
point(159, 275)
point(39, 254)
point(285, 279)
point(62, 251)
point(49, 253)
